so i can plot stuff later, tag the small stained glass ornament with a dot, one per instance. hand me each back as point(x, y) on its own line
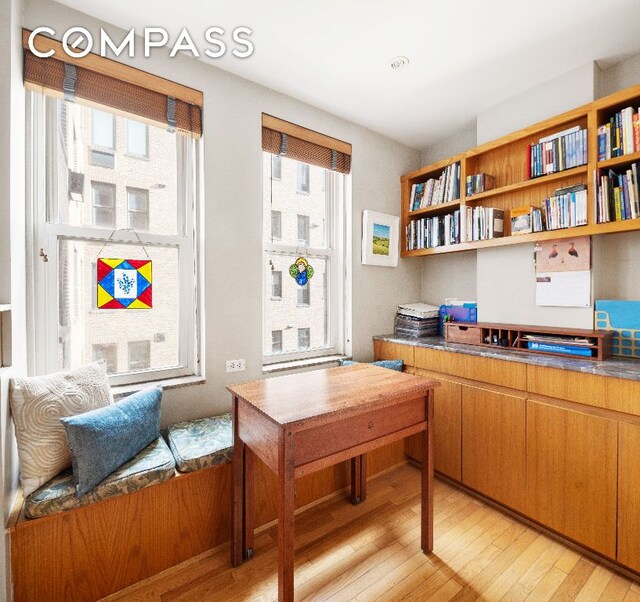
point(124, 283)
point(301, 271)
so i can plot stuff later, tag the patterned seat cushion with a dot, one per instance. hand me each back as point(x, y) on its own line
point(197, 444)
point(152, 465)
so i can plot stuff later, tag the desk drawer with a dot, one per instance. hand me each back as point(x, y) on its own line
point(322, 441)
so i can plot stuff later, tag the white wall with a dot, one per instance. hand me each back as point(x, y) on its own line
point(233, 214)
point(575, 88)
point(504, 275)
point(461, 141)
point(449, 275)
point(11, 249)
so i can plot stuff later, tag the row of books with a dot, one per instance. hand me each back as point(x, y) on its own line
point(435, 192)
point(436, 231)
point(618, 195)
point(482, 223)
point(557, 152)
point(620, 136)
point(480, 182)
point(566, 208)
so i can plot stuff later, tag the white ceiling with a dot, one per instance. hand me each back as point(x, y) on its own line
point(465, 55)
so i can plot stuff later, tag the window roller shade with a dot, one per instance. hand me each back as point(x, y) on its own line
point(295, 142)
point(121, 95)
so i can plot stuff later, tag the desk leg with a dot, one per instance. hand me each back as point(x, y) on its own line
point(359, 479)
point(248, 503)
point(286, 504)
point(237, 486)
point(427, 478)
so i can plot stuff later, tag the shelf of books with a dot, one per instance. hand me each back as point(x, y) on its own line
point(533, 184)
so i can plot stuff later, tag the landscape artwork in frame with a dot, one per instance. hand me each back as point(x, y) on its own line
point(379, 239)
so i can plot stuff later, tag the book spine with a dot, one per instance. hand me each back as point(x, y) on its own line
point(602, 141)
point(636, 132)
point(553, 348)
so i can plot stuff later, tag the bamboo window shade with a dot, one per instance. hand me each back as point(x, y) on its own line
point(103, 81)
point(289, 140)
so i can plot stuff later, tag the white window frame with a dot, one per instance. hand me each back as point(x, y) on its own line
point(338, 257)
point(43, 276)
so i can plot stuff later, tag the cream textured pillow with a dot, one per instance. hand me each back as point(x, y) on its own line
point(38, 403)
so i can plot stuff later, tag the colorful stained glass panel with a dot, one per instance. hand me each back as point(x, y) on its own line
point(124, 283)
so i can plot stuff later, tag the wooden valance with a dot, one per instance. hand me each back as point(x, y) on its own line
point(103, 81)
point(287, 139)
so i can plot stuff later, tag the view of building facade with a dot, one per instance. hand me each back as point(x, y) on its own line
point(296, 221)
point(115, 173)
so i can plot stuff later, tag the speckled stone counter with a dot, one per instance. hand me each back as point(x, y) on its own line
point(615, 367)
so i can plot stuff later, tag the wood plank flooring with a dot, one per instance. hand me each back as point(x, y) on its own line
point(372, 552)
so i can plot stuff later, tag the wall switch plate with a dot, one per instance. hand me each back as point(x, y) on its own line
point(236, 365)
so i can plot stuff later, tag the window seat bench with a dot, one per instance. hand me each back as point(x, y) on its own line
point(162, 507)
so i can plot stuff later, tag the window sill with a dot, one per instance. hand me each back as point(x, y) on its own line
point(120, 391)
point(306, 363)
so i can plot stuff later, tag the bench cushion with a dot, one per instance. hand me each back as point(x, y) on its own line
point(396, 365)
point(152, 465)
point(200, 443)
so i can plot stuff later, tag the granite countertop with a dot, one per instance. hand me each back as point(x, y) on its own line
point(616, 367)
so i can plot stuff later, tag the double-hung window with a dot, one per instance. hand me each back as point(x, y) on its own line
point(306, 257)
point(84, 208)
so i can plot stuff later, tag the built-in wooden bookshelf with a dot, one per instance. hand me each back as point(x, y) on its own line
point(506, 159)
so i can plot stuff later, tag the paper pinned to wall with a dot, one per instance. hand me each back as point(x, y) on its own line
point(563, 272)
point(564, 289)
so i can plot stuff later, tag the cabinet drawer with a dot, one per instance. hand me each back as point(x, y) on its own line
point(512, 375)
point(322, 441)
point(461, 333)
point(617, 394)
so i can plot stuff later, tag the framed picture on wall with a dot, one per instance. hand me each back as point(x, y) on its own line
point(379, 239)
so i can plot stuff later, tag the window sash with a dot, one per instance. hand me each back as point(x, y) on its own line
point(47, 233)
point(337, 253)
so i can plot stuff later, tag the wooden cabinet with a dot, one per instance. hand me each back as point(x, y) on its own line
point(493, 444)
point(483, 369)
point(629, 495)
point(571, 470)
point(446, 429)
point(382, 350)
point(560, 447)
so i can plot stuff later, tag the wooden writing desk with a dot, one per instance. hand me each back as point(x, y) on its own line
point(304, 422)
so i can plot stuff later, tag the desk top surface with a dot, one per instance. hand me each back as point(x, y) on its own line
point(335, 392)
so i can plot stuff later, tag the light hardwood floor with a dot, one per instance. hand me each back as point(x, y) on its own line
point(372, 552)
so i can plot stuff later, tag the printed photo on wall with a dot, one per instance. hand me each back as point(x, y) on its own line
point(379, 239)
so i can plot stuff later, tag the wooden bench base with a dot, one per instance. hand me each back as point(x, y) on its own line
point(91, 552)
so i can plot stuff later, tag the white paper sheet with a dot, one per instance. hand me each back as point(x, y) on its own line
point(564, 289)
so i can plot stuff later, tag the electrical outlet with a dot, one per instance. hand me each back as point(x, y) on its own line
point(236, 365)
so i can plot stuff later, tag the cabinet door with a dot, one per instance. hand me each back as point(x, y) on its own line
point(493, 444)
point(446, 429)
point(628, 496)
point(571, 469)
point(383, 350)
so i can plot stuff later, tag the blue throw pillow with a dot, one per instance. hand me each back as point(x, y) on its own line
point(104, 439)
point(391, 364)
